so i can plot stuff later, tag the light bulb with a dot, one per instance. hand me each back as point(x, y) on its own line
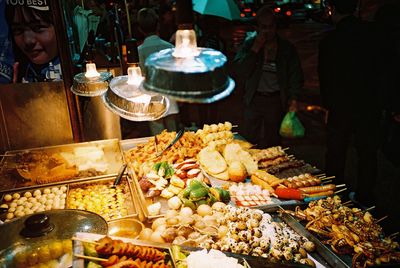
point(91, 71)
point(135, 76)
point(185, 44)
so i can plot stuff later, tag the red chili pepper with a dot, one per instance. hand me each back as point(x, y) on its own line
point(289, 193)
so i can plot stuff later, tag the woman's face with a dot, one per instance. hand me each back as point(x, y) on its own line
point(35, 37)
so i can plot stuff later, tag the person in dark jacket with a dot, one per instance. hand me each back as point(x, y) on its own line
point(349, 83)
point(273, 77)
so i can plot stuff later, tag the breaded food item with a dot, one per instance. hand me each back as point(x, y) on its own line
point(237, 171)
point(212, 161)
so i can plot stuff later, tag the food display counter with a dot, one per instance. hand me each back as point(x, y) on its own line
point(208, 191)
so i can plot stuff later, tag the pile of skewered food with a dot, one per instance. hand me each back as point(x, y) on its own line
point(117, 254)
point(277, 162)
point(297, 187)
point(216, 134)
point(349, 231)
point(186, 147)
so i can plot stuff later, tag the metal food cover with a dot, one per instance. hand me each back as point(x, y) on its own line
point(199, 79)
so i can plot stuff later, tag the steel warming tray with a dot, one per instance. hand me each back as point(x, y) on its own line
point(30, 168)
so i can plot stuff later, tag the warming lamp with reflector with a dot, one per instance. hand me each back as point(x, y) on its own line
point(188, 73)
point(126, 97)
point(91, 83)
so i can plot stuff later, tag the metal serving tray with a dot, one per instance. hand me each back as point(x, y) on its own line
point(343, 261)
point(32, 201)
point(126, 187)
point(11, 178)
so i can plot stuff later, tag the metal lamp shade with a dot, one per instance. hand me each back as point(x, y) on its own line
point(199, 79)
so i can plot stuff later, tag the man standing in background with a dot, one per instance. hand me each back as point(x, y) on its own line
point(273, 77)
point(349, 81)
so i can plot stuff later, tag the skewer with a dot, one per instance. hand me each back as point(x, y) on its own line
point(347, 202)
point(234, 126)
point(287, 148)
point(156, 143)
point(381, 219)
point(393, 235)
point(327, 178)
point(234, 133)
point(320, 175)
point(329, 181)
point(7, 155)
point(368, 209)
point(342, 190)
point(340, 185)
point(84, 240)
point(89, 257)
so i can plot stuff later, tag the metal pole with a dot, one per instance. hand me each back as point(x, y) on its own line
point(117, 33)
point(128, 17)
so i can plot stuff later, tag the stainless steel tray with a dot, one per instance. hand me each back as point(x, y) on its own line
point(31, 201)
point(126, 188)
point(331, 258)
point(11, 179)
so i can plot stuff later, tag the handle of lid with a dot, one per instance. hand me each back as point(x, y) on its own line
point(37, 225)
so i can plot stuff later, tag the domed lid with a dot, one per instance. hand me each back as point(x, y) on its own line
point(54, 224)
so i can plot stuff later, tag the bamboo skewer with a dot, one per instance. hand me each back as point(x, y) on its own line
point(85, 240)
point(327, 178)
point(349, 202)
point(340, 185)
point(368, 209)
point(329, 181)
point(381, 219)
point(394, 235)
point(342, 190)
point(287, 148)
point(89, 257)
point(320, 175)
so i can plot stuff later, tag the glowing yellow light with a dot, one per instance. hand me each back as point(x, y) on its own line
point(91, 71)
point(135, 76)
point(185, 44)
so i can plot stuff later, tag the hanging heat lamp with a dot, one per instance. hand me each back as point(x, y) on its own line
point(125, 96)
point(90, 83)
point(188, 73)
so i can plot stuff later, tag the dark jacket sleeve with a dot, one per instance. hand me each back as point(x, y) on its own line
point(245, 60)
point(295, 74)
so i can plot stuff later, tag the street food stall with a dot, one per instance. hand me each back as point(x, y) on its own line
point(76, 194)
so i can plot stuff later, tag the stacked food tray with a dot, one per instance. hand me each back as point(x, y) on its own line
point(76, 176)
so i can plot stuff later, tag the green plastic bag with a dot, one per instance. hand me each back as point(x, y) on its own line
point(291, 127)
